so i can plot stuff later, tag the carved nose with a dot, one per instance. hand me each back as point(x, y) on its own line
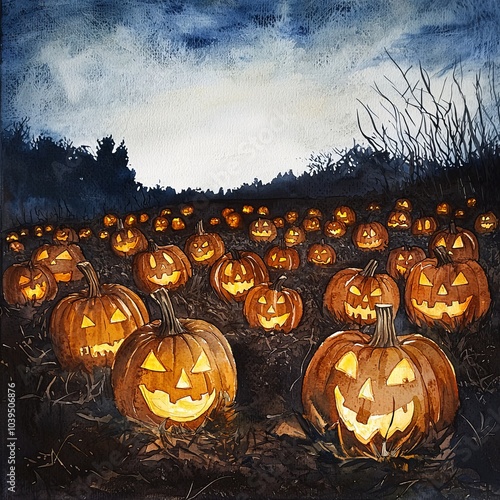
point(271, 310)
point(183, 382)
point(442, 290)
point(237, 277)
point(366, 391)
point(365, 298)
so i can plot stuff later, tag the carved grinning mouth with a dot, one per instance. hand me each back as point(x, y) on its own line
point(165, 278)
point(265, 232)
point(36, 292)
point(100, 349)
point(386, 424)
point(203, 257)
point(400, 269)
point(374, 243)
point(238, 287)
point(63, 276)
point(437, 311)
point(183, 410)
point(322, 262)
point(273, 322)
point(359, 311)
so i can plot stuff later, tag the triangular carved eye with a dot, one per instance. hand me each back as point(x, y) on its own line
point(262, 300)
point(281, 300)
point(348, 364)
point(64, 256)
point(441, 243)
point(152, 363)
point(372, 233)
point(243, 270)
point(376, 293)
point(400, 257)
point(43, 255)
point(130, 234)
point(205, 244)
point(424, 280)
point(117, 317)
point(458, 242)
point(427, 224)
point(460, 280)
point(202, 364)
point(24, 280)
point(87, 322)
point(365, 233)
point(401, 373)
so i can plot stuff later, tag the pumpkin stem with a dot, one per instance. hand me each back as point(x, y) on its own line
point(278, 284)
point(385, 334)
point(90, 275)
point(453, 227)
point(170, 325)
point(235, 254)
point(119, 225)
point(199, 227)
point(442, 256)
point(152, 246)
point(369, 270)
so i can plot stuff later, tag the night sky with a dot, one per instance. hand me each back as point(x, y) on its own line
point(216, 93)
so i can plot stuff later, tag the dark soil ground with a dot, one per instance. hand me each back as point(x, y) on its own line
point(73, 443)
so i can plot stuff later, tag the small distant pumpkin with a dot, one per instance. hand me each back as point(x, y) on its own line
point(160, 224)
point(345, 214)
point(85, 233)
point(373, 206)
point(279, 222)
point(263, 210)
point(402, 259)
point(38, 231)
point(443, 208)
point(203, 248)
point(471, 202)
point(311, 224)
point(485, 223)
point(370, 236)
point(214, 221)
point(187, 210)
point(178, 224)
point(65, 234)
point(321, 254)
point(292, 216)
point(282, 257)
point(399, 220)
point(314, 212)
point(403, 204)
point(262, 230)
point(424, 226)
point(165, 211)
point(459, 213)
point(234, 220)
point(110, 220)
point(247, 209)
point(127, 241)
point(144, 217)
point(130, 220)
point(16, 246)
point(294, 235)
point(12, 237)
point(334, 229)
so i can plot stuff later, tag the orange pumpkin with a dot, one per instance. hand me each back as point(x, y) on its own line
point(294, 235)
point(460, 243)
point(127, 241)
point(234, 220)
point(424, 226)
point(403, 204)
point(282, 257)
point(311, 224)
point(370, 236)
point(485, 223)
point(345, 214)
point(334, 229)
point(321, 254)
point(443, 208)
point(402, 259)
point(160, 224)
point(61, 260)
point(399, 220)
point(262, 230)
point(202, 248)
point(65, 234)
point(178, 224)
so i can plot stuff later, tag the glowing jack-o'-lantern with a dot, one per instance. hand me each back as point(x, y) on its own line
point(177, 371)
point(292, 216)
point(403, 204)
point(321, 254)
point(459, 213)
point(65, 235)
point(61, 260)
point(144, 217)
point(282, 257)
point(345, 214)
point(460, 243)
point(88, 327)
point(443, 208)
point(471, 202)
point(103, 234)
point(446, 293)
point(386, 395)
point(273, 307)
point(127, 241)
point(226, 211)
point(402, 259)
point(399, 220)
point(334, 229)
point(165, 211)
point(160, 224)
point(247, 209)
point(16, 246)
point(262, 230)
point(48, 228)
point(352, 293)
point(85, 233)
point(263, 210)
point(373, 206)
point(235, 273)
point(25, 283)
point(203, 248)
point(311, 224)
point(234, 220)
point(214, 221)
point(38, 231)
point(486, 223)
point(294, 235)
point(314, 212)
point(110, 220)
point(161, 266)
point(187, 210)
point(370, 236)
point(24, 232)
point(279, 222)
point(178, 224)
point(12, 237)
point(424, 226)
point(130, 220)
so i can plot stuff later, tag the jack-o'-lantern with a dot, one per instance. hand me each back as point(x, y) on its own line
point(314, 212)
point(61, 260)
point(369, 236)
point(127, 241)
point(263, 210)
point(449, 294)
point(311, 224)
point(279, 222)
point(165, 211)
point(471, 202)
point(214, 221)
point(174, 371)
point(294, 235)
point(282, 257)
point(38, 231)
point(12, 237)
point(486, 223)
point(160, 266)
point(321, 254)
point(334, 229)
point(88, 327)
point(103, 234)
point(345, 214)
point(386, 394)
point(373, 207)
point(235, 273)
point(130, 220)
point(226, 211)
point(26, 283)
point(403, 204)
point(460, 243)
point(203, 248)
point(65, 235)
point(110, 220)
point(178, 224)
point(292, 216)
point(247, 209)
point(399, 220)
point(459, 213)
point(273, 307)
point(351, 294)
point(160, 224)
point(262, 230)
point(443, 208)
point(24, 232)
point(187, 210)
point(143, 218)
point(424, 226)
point(402, 259)
point(16, 246)
point(48, 228)
point(85, 233)
point(234, 220)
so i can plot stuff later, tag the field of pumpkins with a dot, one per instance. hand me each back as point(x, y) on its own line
point(330, 348)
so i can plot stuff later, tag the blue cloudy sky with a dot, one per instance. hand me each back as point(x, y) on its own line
point(214, 93)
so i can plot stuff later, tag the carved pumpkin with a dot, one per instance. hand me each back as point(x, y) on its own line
point(262, 230)
point(282, 257)
point(292, 216)
point(471, 202)
point(49, 228)
point(263, 210)
point(16, 246)
point(235, 273)
point(61, 260)
point(345, 214)
point(38, 231)
point(459, 213)
point(399, 220)
point(402, 259)
point(442, 292)
point(279, 222)
point(187, 210)
point(443, 208)
point(273, 307)
point(85, 233)
point(386, 394)
point(247, 209)
point(24, 232)
point(12, 237)
point(369, 236)
point(173, 371)
point(311, 224)
point(160, 224)
point(294, 235)
point(103, 234)
point(144, 217)
point(460, 243)
point(214, 221)
point(165, 211)
point(403, 204)
point(127, 241)
point(424, 226)
point(88, 327)
point(25, 283)
point(110, 220)
point(234, 220)
point(161, 266)
point(334, 229)
point(65, 235)
point(226, 211)
point(373, 207)
point(486, 223)
point(178, 224)
point(314, 212)
point(202, 248)
point(130, 220)
point(352, 293)
point(321, 254)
